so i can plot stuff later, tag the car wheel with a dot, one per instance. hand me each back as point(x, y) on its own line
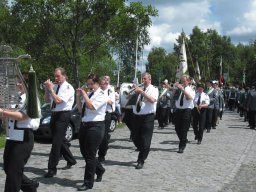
point(112, 125)
point(69, 133)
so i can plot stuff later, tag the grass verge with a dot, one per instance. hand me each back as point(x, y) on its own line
point(2, 141)
point(120, 125)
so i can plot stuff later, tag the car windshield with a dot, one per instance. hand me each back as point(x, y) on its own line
point(45, 106)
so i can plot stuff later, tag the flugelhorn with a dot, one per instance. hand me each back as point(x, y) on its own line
point(131, 91)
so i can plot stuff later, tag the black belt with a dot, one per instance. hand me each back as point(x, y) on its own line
point(143, 115)
point(24, 129)
point(91, 123)
point(184, 109)
point(59, 112)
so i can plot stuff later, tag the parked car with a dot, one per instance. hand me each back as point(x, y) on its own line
point(44, 131)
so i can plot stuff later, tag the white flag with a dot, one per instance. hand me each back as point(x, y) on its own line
point(198, 71)
point(183, 59)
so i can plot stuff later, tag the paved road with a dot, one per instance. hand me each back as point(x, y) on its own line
point(225, 161)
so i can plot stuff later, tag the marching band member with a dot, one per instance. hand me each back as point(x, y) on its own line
point(61, 96)
point(18, 146)
point(162, 106)
point(184, 105)
point(143, 119)
point(201, 102)
point(105, 86)
point(92, 129)
point(212, 93)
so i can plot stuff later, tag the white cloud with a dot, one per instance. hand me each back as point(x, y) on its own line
point(161, 35)
point(173, 18)
point(246, 23)
point(236, 19)
point(240, 31)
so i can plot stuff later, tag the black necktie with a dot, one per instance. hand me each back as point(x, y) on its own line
point(53, 102)
point(138, 106)
point(198, 101)
point(181, 99)
point(84, 105)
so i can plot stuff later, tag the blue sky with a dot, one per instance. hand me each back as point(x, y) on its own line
point(234, 18)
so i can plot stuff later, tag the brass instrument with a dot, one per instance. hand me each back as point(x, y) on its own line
point(131, 90)
point(43, 85)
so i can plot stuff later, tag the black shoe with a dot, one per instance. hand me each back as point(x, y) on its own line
point(101, 159)
point(213, 127)
point(208, 131)
point(181, 150)
point(99, 176)
point(83, 188)
point(139, 165)
point(196, 137)
point(198, 142)
point(30, 185)
point(50, 173)
point(68, 166)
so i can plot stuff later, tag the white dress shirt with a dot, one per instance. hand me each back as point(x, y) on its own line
point(99, 102)
point(67, 94)
point(187, 104)
point(146, 106)
point(204, 99)
point(111, 96)
point(18, 135)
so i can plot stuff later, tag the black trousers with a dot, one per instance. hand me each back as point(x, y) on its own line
point(58, 125)
point(209, 115)
point(128, 118)
point(182, 124)
point(162, 116)
point(142, 133)
point(199, 120)
point(90, 138)
point(16, 155)
point(104, 144)
point(215, 115)
point(252, 118)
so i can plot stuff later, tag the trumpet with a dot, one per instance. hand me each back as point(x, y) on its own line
point(42, 86)
point(131, 90)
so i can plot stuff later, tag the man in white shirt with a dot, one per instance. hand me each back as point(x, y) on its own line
point(201, 102)
point(184, 105)
point(61, 96)
point(143, 120)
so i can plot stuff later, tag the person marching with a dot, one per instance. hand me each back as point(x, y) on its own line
point(91, 133)
point(143, 119)
point(184, 105)
point(251, 107)
point(212, 93)
point(105, 86)
point(61, 96)
point(201, 102)
point(19, 144)
point(216, 109)
point(162, 105)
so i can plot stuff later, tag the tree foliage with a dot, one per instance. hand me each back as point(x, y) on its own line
point(81, 36)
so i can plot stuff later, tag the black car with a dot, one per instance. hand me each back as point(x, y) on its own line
point(44, 131)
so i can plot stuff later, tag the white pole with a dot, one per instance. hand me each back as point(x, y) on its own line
point(136, 58)
point(118, 73)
